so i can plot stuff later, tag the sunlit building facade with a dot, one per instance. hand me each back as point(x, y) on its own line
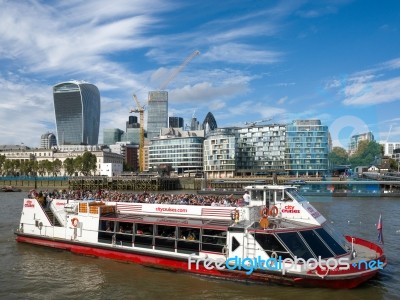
point(77, 112)
point(307, 148)
point(157, 113)
point(182, 150)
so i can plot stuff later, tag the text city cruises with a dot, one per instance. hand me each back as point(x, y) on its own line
point(279, 237)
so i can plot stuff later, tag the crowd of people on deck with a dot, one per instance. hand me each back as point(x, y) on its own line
point(155, 198)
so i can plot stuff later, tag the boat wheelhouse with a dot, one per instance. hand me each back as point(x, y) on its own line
point(279, 237)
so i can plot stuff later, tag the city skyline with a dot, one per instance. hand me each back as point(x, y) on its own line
point(337, 61)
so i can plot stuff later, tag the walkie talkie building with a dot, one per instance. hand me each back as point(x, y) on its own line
point(77, 112)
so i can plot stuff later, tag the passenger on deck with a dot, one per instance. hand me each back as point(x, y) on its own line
point(246, 198)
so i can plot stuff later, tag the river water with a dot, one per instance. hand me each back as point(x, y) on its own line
point(33, 272)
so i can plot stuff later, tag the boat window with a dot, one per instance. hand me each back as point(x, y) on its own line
point(338, 237)
point(106, 232)
point(316, 244)
point(295, 244)
point(123, 236)
point(144, 229)
point(331, 242)
point(257, 195)
point(166, 231)
point(125, 227)
point(296, 195)
point(188, 240)
point(271, 244)
point(213, 240)
point(144, 235)
point(190, 234)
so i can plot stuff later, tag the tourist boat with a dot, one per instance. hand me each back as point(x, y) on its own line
point(279, 238)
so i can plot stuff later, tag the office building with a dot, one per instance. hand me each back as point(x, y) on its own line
point(77, 112)
point(48, 140)
point(176, 122)
point(157, 113)
point(209, 123)
point(112, 135)
point(182, 150)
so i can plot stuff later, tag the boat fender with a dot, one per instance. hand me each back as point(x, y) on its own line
point(273, 212)
point(74, 222)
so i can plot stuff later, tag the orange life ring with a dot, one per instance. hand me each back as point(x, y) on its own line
point(74, 222)
point(264, 212)
point(273, 211)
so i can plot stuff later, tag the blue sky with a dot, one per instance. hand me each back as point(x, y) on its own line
point(337, 61)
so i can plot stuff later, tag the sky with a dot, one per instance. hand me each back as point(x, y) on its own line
point(337, 61)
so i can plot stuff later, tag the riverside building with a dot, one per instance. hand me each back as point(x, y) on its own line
point(182, 150)
point(307, 143)
point(77, 112)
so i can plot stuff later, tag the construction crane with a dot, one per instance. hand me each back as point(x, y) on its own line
point(176, 72)
point(140, 110)
point(256, 122)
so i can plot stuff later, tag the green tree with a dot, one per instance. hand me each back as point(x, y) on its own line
point(2, 160)
point(41, 169)
point(57, 164)
point(69, 166)
point(89, 163)
point(368, 152)
point(338, 156)
point(78, 164)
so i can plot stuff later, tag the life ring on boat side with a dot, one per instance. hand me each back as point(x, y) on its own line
point(264, 212)
point(74, 222)
point(273, 212)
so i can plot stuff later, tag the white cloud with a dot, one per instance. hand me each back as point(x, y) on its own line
point(374, 92)
point(241, 54)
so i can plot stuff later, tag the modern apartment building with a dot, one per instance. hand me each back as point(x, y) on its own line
point(356, 139)
point(307, 147)
point(261, 149)
point(388, 148)
point(157, 113)
point(220, 153)
point(77, 112)
point(182, 150)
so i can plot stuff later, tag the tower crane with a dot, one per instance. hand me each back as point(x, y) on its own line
point(256, 122)
point(176, 72)
point(140, 110)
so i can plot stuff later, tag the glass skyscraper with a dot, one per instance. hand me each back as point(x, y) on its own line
point(157, 113)
point(77, 112)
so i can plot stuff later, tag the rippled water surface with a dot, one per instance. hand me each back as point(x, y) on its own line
point(32, 272)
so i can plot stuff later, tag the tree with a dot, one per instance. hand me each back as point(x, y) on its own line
point(368, 153)
point(69, 166)
point(338, 156)
point(57, 164)
point(89, 163)
point(2, 160)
